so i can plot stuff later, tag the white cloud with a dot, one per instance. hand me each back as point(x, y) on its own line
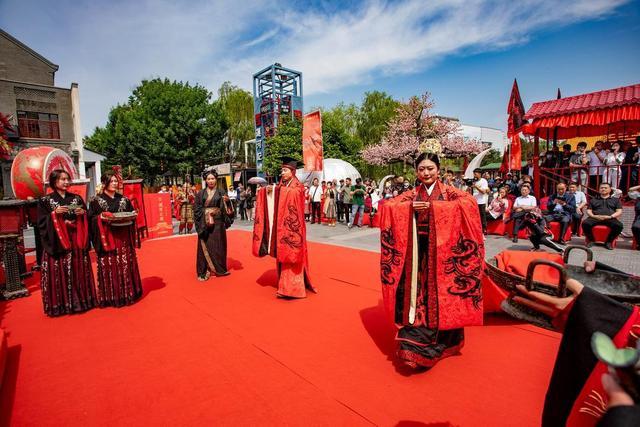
point(109, 47)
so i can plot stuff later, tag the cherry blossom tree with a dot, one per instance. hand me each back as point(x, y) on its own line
point(413, 126)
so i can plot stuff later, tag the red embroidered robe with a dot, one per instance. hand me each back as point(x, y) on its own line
point(279, 230)
point(456, 259)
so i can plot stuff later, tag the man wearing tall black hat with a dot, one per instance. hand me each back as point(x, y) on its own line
point(279, 230)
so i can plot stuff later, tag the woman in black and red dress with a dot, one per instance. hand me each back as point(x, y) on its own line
point(67, 277)
point(212, 220)
point(118, 275)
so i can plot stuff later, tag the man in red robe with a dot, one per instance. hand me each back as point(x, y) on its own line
point(279, 230)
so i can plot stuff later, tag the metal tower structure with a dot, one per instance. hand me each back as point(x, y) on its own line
point(277, 92)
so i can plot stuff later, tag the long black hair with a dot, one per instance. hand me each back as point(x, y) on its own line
point(208, 172)
point(427, 156)
point(55, 175)
point(106, 178)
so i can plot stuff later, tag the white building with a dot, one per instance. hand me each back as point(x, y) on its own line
point(495, 137)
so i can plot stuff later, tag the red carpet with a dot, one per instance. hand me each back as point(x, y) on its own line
point(228, 352)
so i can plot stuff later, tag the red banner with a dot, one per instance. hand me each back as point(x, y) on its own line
point(312, 141)
point(159, 223)
point(515, 163)
point(133, 191)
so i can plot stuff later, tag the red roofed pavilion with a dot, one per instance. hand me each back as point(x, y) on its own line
point(606, 112)
point(590, 114)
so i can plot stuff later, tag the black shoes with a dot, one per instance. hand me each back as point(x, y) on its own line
point(608, 246)
point(515, 240)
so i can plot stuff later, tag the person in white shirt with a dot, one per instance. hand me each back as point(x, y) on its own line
point(481, 194)
point(525, 213)
point(315, 195)
point(597, 157)
point(523, 204)
point(581, 202)
point(613, 161)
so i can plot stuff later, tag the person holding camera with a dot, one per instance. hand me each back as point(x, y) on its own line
point(67, 277)
point(481, 191)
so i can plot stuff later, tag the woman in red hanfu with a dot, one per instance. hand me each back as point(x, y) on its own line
point(431, 265)
point(67, 277)
point(119, 281)
point(279, 230)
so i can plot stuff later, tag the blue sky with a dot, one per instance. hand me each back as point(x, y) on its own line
point(465, 52)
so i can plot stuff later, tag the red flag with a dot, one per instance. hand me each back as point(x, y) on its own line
point(312, 141)
point(504, 166)
point(515, 158)
point(515, 109)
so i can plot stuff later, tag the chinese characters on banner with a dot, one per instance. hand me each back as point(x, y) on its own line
point(158, 214)
point(312, 141)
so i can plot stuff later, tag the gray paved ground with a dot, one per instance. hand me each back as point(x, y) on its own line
point(366, 238)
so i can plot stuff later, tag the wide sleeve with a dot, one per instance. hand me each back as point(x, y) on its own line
point(93, 216)
point(48, 234)
point(575, 362)
point(198, 213)
point(459, 246)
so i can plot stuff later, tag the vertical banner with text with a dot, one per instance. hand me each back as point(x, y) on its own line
point(312, 141)
point(159, 211)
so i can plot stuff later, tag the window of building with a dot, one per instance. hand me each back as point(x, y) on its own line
point(38, 125)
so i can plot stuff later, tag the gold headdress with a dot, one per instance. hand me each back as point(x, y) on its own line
point(431, 145)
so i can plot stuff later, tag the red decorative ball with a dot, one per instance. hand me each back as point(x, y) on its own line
point(31, 169)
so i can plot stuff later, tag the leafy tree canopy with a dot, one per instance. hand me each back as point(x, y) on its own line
point(286, 143)
point(165, 126)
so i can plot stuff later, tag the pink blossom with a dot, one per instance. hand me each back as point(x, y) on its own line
point(414, 124)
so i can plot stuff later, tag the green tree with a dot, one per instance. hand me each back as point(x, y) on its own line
point(287, 142)
point(377, 110)
point(493, 156)
point(165, 126)
point(237, 105)
point(339, 133)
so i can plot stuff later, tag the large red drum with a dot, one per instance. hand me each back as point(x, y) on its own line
point(31, 168)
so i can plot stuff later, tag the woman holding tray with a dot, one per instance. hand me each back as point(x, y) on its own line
point(67, 278)
point(113, 234)
point(211, 218)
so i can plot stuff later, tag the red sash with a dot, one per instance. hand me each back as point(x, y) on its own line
point(106, 237)
point(81, 235)
point(457, 253)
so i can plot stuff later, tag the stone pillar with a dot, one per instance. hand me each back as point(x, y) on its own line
point(77, 144)
point(97, 172)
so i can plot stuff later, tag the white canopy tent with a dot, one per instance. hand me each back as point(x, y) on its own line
point(331, 169)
